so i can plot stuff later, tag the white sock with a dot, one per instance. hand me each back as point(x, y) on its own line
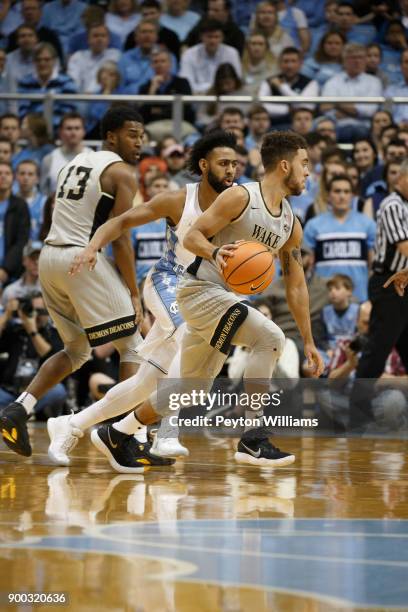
point(252, 415)
point(28, 402)
point(120, 399)
point(130, 425)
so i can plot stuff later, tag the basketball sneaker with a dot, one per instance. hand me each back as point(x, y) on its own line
point(63, 438)
point(13, 428)
point(125, 454)
point(254, 448)
point(168, 447)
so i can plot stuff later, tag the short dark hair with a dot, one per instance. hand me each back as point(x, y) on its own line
point(395, 142)
point(29, 161)
point(290, 51)
point(71, 115)
point(210, 25)
point(8, 164)
point(9, 116)
point(241, 150)
point(340, 177)
point(280, 145)
point(392, 126)
point(151, 4)
point(257, 109)
point(302, 109)
point(116, 117)
point(232, 110)
point(210, 141)
point(5, 139)
point(341, 279)
point(332, 151)
point(313, 139)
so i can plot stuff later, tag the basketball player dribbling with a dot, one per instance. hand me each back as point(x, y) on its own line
point(216, 316)
point(97, 307)
point(214, 158)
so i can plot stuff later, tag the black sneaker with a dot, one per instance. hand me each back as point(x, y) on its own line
point(260, 452)
point(13, 428)
point(124, 453)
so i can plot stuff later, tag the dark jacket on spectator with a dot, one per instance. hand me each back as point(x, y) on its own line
point(167, 38)
point(16, 235)
point(156, 112)
point(44, 35)
point(233, 35)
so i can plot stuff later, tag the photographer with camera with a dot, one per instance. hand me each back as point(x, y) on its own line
point(28, 283)
point(27, 339)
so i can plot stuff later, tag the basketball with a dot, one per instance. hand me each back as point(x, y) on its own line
point(250, 269)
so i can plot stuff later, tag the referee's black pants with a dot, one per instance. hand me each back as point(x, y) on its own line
point(388, 329)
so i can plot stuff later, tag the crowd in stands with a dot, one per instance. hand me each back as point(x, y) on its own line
point(300, 48)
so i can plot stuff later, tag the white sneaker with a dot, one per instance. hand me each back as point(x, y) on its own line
point(63, 438)
point(168, 447)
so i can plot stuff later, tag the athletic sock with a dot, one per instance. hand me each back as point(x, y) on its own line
point(28, 402)
point(130, 425)
point(256, 418)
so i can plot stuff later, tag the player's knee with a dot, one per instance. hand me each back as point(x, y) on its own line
point(78, 351)
point(127, 348)
point(272, 337)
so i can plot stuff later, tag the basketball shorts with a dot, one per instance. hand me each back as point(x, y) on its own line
point(211, 311)
point(159, 295)
point(96, 302)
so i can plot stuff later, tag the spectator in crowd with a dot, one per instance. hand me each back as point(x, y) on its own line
point(357, 203)
point(149, 240)
point(364, 156)
point(179, 19)
point(20, 63)
point(34, 130)
point(388, 133)
point(46, 78)
point(266, 21)
point(379, 120)
point(31, 13)
point(302, 121)
point(348, 25)
point(374, 60)
point(10, 129)
point(152, 10)
point(400, 111)
point(293, 20)
point(326, 127)
point(175, 158)
point(14, 227)
point(342, 239)
point(327, 60)
point(158, 117)
point(28, 284)
point(150, 167)
point(219, 10)
point(232, 120)
point(6, 150)
point(259, 124)
point(226, 83)
point(92, 15)
point(71, 134)
point(289, 82)
point(390, 174)
point(29, 339)
point(373, 180)
point(389, 315)
point(122, 18)
point(27, 179)
point(352, 119)
point(64, 18)
point(258, 62)
point(339, 317)
point(10, 18)
point(199, 63)
point(136, 65)
point(83, 65)
point(4, 81)
point(108, 79)
point(395, 42)
point(316, 143)
point(242, 165)
point(329, 25)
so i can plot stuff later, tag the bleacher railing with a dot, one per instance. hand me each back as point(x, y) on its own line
point(178, 101)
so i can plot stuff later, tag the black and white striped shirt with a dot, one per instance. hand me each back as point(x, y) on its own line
point(392, 228)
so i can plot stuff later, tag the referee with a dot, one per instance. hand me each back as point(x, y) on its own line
point(389, 315)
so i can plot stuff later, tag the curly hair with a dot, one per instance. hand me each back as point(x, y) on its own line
point(277, 146)
point(204, 146)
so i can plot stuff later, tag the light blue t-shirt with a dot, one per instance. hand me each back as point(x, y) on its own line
point(342, 247)
point(148, 241)
point(4, 204)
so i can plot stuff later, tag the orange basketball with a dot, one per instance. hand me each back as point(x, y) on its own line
point(250, 269)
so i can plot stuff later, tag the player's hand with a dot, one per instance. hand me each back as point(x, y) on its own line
point(87, 257)
point(227, 250)
point(314, 360)
point(138, 308)
point(400, 280)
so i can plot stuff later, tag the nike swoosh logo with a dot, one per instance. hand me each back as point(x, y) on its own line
point(255, 287)
point(110, 441)
point(256, 454)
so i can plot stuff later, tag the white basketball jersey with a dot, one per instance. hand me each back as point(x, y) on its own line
point(80, 204)
point(175, 253)
point(58, 160)
point(255, 222)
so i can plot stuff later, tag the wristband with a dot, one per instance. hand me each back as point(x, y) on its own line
point(33, 333)
point(214, 253)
